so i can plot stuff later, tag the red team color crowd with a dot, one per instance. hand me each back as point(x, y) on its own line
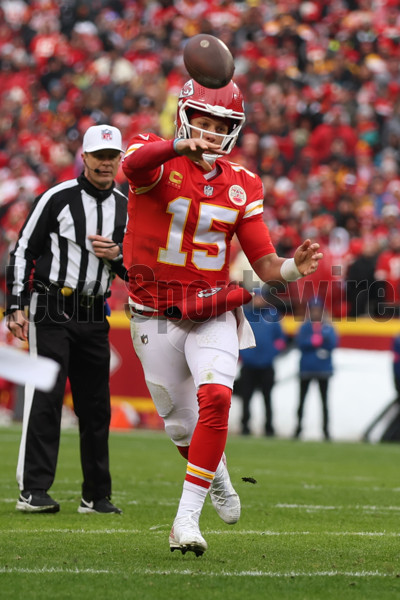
point(321, 84)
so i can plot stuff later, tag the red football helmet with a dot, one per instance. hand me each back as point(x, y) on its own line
point(223, 103)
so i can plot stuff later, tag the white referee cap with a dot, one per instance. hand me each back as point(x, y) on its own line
point(102, 137)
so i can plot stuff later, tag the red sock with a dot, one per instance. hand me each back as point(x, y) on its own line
point(209, 437)
point(184, 450)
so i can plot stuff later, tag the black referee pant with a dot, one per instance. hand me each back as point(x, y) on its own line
point(77, 338)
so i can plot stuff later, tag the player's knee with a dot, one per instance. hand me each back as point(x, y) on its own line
point(180, 425)
point(214, 405)
point(177, 432)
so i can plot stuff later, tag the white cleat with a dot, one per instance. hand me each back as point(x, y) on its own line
point(185, 536)
point(223, 495)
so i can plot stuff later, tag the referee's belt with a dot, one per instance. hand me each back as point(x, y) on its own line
point(69, 294)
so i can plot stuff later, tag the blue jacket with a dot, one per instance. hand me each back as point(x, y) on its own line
point(316, 341)
point(270, 339)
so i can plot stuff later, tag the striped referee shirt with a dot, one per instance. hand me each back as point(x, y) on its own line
point(53, 245)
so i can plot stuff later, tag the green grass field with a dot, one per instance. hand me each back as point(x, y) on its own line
point(322, 522)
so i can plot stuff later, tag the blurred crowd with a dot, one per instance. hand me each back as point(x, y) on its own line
point(321, 81)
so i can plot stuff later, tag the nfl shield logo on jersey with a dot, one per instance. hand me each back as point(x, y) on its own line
point(144, 339)
point(208, 190)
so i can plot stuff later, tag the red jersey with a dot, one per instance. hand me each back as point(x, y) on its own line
point(182, 221)
point(388, 269)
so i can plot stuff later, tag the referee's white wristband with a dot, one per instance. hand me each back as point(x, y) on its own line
point(289, 270)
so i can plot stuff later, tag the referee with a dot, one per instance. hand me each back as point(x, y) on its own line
point(58, 280)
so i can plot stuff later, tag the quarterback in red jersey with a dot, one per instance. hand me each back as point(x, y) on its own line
point(186, 202)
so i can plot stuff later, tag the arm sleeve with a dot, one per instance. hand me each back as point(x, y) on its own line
point(117, 267)
point(254, 238)
point(28, 247)
point(143, 160)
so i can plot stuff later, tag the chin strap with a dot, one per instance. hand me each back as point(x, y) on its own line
point(210, 158)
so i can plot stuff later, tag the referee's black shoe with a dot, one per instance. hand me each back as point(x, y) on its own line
point(36, 501)
point(102, 506)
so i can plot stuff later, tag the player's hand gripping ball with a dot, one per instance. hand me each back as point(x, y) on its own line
point(208, 61)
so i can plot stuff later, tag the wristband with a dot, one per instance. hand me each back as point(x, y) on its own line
point(176, 140)
point(289, 270)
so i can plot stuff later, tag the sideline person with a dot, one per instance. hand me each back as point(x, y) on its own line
point(316, 340)
point(186, 201)
point(258, 370)
point(62, 267)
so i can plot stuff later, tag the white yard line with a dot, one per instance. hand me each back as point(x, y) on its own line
point(84, 531)
point(327, 507)
point(160, 530)
point(53, 570)
point(283, 533)
point(202, 573)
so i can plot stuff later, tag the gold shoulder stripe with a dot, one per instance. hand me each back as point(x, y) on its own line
point(133, 148)
point(254, 208)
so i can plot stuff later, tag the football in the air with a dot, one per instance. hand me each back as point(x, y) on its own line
point(208, 61)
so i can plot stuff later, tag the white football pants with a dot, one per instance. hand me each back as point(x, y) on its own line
point(178, 357)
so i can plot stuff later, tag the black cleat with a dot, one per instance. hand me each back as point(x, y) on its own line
point(36, 501)
point(189, 548)
point(102, 506)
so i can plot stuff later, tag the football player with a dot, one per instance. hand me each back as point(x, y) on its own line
point(186, 202)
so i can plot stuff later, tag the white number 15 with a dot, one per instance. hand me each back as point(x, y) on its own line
point(173, 254)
